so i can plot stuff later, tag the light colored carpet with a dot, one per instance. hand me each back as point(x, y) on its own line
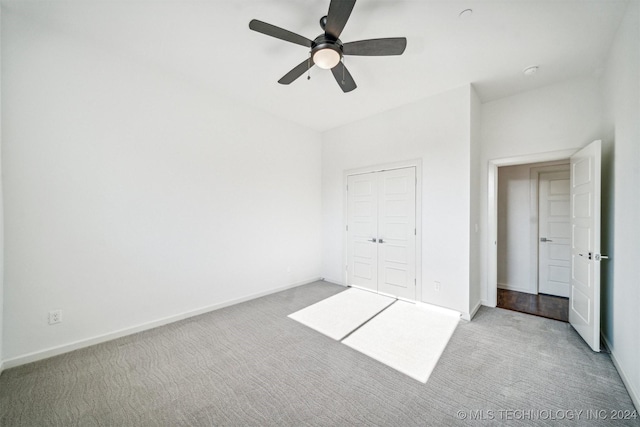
point(339, 315)
point(408, 337)
point(249, 365)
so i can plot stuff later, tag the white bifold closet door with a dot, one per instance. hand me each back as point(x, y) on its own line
point(381, 232)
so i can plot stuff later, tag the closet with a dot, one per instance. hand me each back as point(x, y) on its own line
point(381, 232)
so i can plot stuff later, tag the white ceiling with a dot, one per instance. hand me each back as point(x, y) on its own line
point(209, 42)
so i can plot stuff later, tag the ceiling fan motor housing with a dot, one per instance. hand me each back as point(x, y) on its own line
point(324, 42)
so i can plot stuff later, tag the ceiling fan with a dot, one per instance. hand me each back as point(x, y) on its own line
point(327, 50)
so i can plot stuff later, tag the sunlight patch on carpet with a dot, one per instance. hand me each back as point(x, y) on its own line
point(407, 337)
point(341, 314)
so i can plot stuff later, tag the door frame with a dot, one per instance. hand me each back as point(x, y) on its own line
point(417, 164)
point(491, 242)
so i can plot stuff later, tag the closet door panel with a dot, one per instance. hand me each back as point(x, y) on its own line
point(396, 233)
point(362, 224)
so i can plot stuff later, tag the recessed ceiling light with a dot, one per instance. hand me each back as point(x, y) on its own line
point(530, 71)
point(466, 13)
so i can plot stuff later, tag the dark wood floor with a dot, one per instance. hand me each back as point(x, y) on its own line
point(539, 305)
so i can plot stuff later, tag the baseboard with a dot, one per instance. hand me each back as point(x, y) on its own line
point(474, 310)
point(335, 282)
point(486, 303)
point(1, 367)
point(633, 393)
point(603, 340)
point(65, 348)
point(515, 288)
point(468, 316)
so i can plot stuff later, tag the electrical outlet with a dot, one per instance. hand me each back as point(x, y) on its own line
point(55, 316)
point(437, 286)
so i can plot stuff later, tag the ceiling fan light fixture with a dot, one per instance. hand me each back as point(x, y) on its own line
point(326, 58)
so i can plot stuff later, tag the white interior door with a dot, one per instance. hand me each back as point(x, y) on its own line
point(362, 231)
point(397, 233)
point(584, 298)
point(381, 232)
point(554, 230)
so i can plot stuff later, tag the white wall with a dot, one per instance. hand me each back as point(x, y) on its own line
point(621, 292)
point(436, 130)
point(132, 196)
point(514, 224)
point(554, 118)
point(474, 217)
point(1, 216)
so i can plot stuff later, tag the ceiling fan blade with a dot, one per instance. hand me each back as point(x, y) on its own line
point(343, 77)
point(376, 47)
point(279, 33)
point(296, 72)
point(337, 17)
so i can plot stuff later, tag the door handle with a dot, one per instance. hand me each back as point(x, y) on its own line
point(380, 241)
point(597, 257)
point(544, 239)
point(372, 240)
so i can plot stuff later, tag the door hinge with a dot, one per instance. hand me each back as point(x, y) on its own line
point(415, 282)
point(415, 231)
point(347, 188)
point(347, 228)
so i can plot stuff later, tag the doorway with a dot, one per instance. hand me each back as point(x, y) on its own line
point(382, 233)
point(533, 251)
point(585, 206)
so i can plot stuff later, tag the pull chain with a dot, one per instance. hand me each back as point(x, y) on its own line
point(309, 67)
point(342, 59)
